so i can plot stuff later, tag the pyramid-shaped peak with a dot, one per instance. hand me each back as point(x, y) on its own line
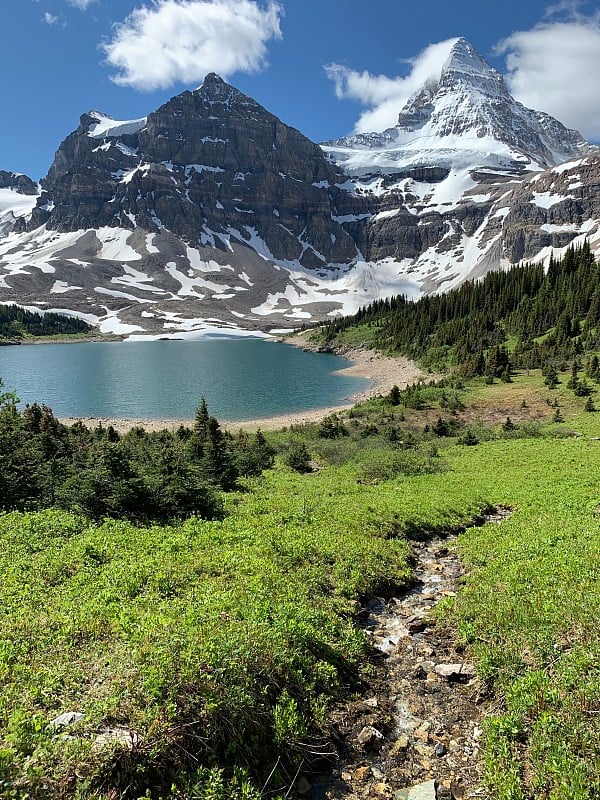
point(212, 79)
point(213, 84)
point(466, 62)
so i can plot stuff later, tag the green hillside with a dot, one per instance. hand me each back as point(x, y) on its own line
point(194, 596)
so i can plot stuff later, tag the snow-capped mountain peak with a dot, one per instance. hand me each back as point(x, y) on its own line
point(468, 67)
point(466, 118)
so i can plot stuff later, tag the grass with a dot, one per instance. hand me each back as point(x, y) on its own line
point(222, 644)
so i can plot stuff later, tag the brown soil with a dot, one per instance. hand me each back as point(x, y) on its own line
point(413, 724)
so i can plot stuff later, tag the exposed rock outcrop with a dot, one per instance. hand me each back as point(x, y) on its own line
point(211, 211)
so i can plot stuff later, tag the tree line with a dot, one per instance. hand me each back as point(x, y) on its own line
point(16, 322)
point(551, 315)
point(141, 476)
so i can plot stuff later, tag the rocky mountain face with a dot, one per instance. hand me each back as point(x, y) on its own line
point(465, 118)
point(212, 212)
point(21, 184)
point(18, 196)
point(461, 184)
point(206, 163)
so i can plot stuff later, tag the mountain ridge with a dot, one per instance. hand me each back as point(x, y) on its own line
point(211, 211)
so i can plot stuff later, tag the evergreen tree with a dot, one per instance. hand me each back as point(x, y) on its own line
point(217, 463)
point(394, 395)
point(201, 421)
point(551, 377)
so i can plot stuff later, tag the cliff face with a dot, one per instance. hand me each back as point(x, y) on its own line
point(211, 211)
point(206, 163)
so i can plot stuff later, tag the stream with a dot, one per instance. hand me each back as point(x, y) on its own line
point(415, 734)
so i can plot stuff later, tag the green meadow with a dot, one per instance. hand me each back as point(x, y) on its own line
point(204, 657)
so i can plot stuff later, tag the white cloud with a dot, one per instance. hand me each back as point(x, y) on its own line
point(553, 68)
point(50, 19)
point(81, 4)
point(385, 97)
point(181, 40)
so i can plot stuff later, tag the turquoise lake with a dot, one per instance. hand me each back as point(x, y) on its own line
point(240, 378)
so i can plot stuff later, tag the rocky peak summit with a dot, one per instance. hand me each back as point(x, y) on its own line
point(466, 117)
point(465, 66)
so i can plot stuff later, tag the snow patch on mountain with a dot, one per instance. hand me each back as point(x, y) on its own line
point(465, 119)
point(106, 127)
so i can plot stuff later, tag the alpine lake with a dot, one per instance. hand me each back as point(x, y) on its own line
point(241, 379)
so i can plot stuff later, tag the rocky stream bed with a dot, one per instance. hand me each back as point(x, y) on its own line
point(415, 733)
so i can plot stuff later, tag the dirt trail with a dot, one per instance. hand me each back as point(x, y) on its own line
point(416, 733)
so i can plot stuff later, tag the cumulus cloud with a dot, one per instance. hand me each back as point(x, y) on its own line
point(385, 97)
point(50, 19)
point(174, 41)
point(553, 68)
point(81, 4)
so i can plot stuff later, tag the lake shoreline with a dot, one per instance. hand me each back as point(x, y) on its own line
point(383, 372)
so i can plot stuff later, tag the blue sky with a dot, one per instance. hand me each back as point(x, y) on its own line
point(61, 58)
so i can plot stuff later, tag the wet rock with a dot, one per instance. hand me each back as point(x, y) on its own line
point(415, 624)
point(455, 672)
point(370, 738)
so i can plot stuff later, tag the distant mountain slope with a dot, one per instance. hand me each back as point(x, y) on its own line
point(211, 211)
point(18, 197)
point(465, 119)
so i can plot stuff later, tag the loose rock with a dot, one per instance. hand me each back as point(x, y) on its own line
point(370, 737)
point(66, 719)
point(455, 672)
point(423, 791)
point(418, 710)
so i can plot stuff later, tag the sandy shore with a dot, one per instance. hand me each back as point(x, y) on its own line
point(383, 372)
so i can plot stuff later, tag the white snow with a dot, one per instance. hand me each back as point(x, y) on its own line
point(62, 287)
point(34, 250)
point(106, 127)
point(350, 218)
point(199, 328)
point(187, 284)
point(150, 247)
point(547, 199)
point(134, 279)
point(568, 165)
point(127, 151)
point(114, 245)
point(568, 228)
point(18, 204)
point(121, 295)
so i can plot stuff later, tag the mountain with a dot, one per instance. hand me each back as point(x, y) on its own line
point(18, 196)
point(465, 118)
point(469, 180)
point(211, 212)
